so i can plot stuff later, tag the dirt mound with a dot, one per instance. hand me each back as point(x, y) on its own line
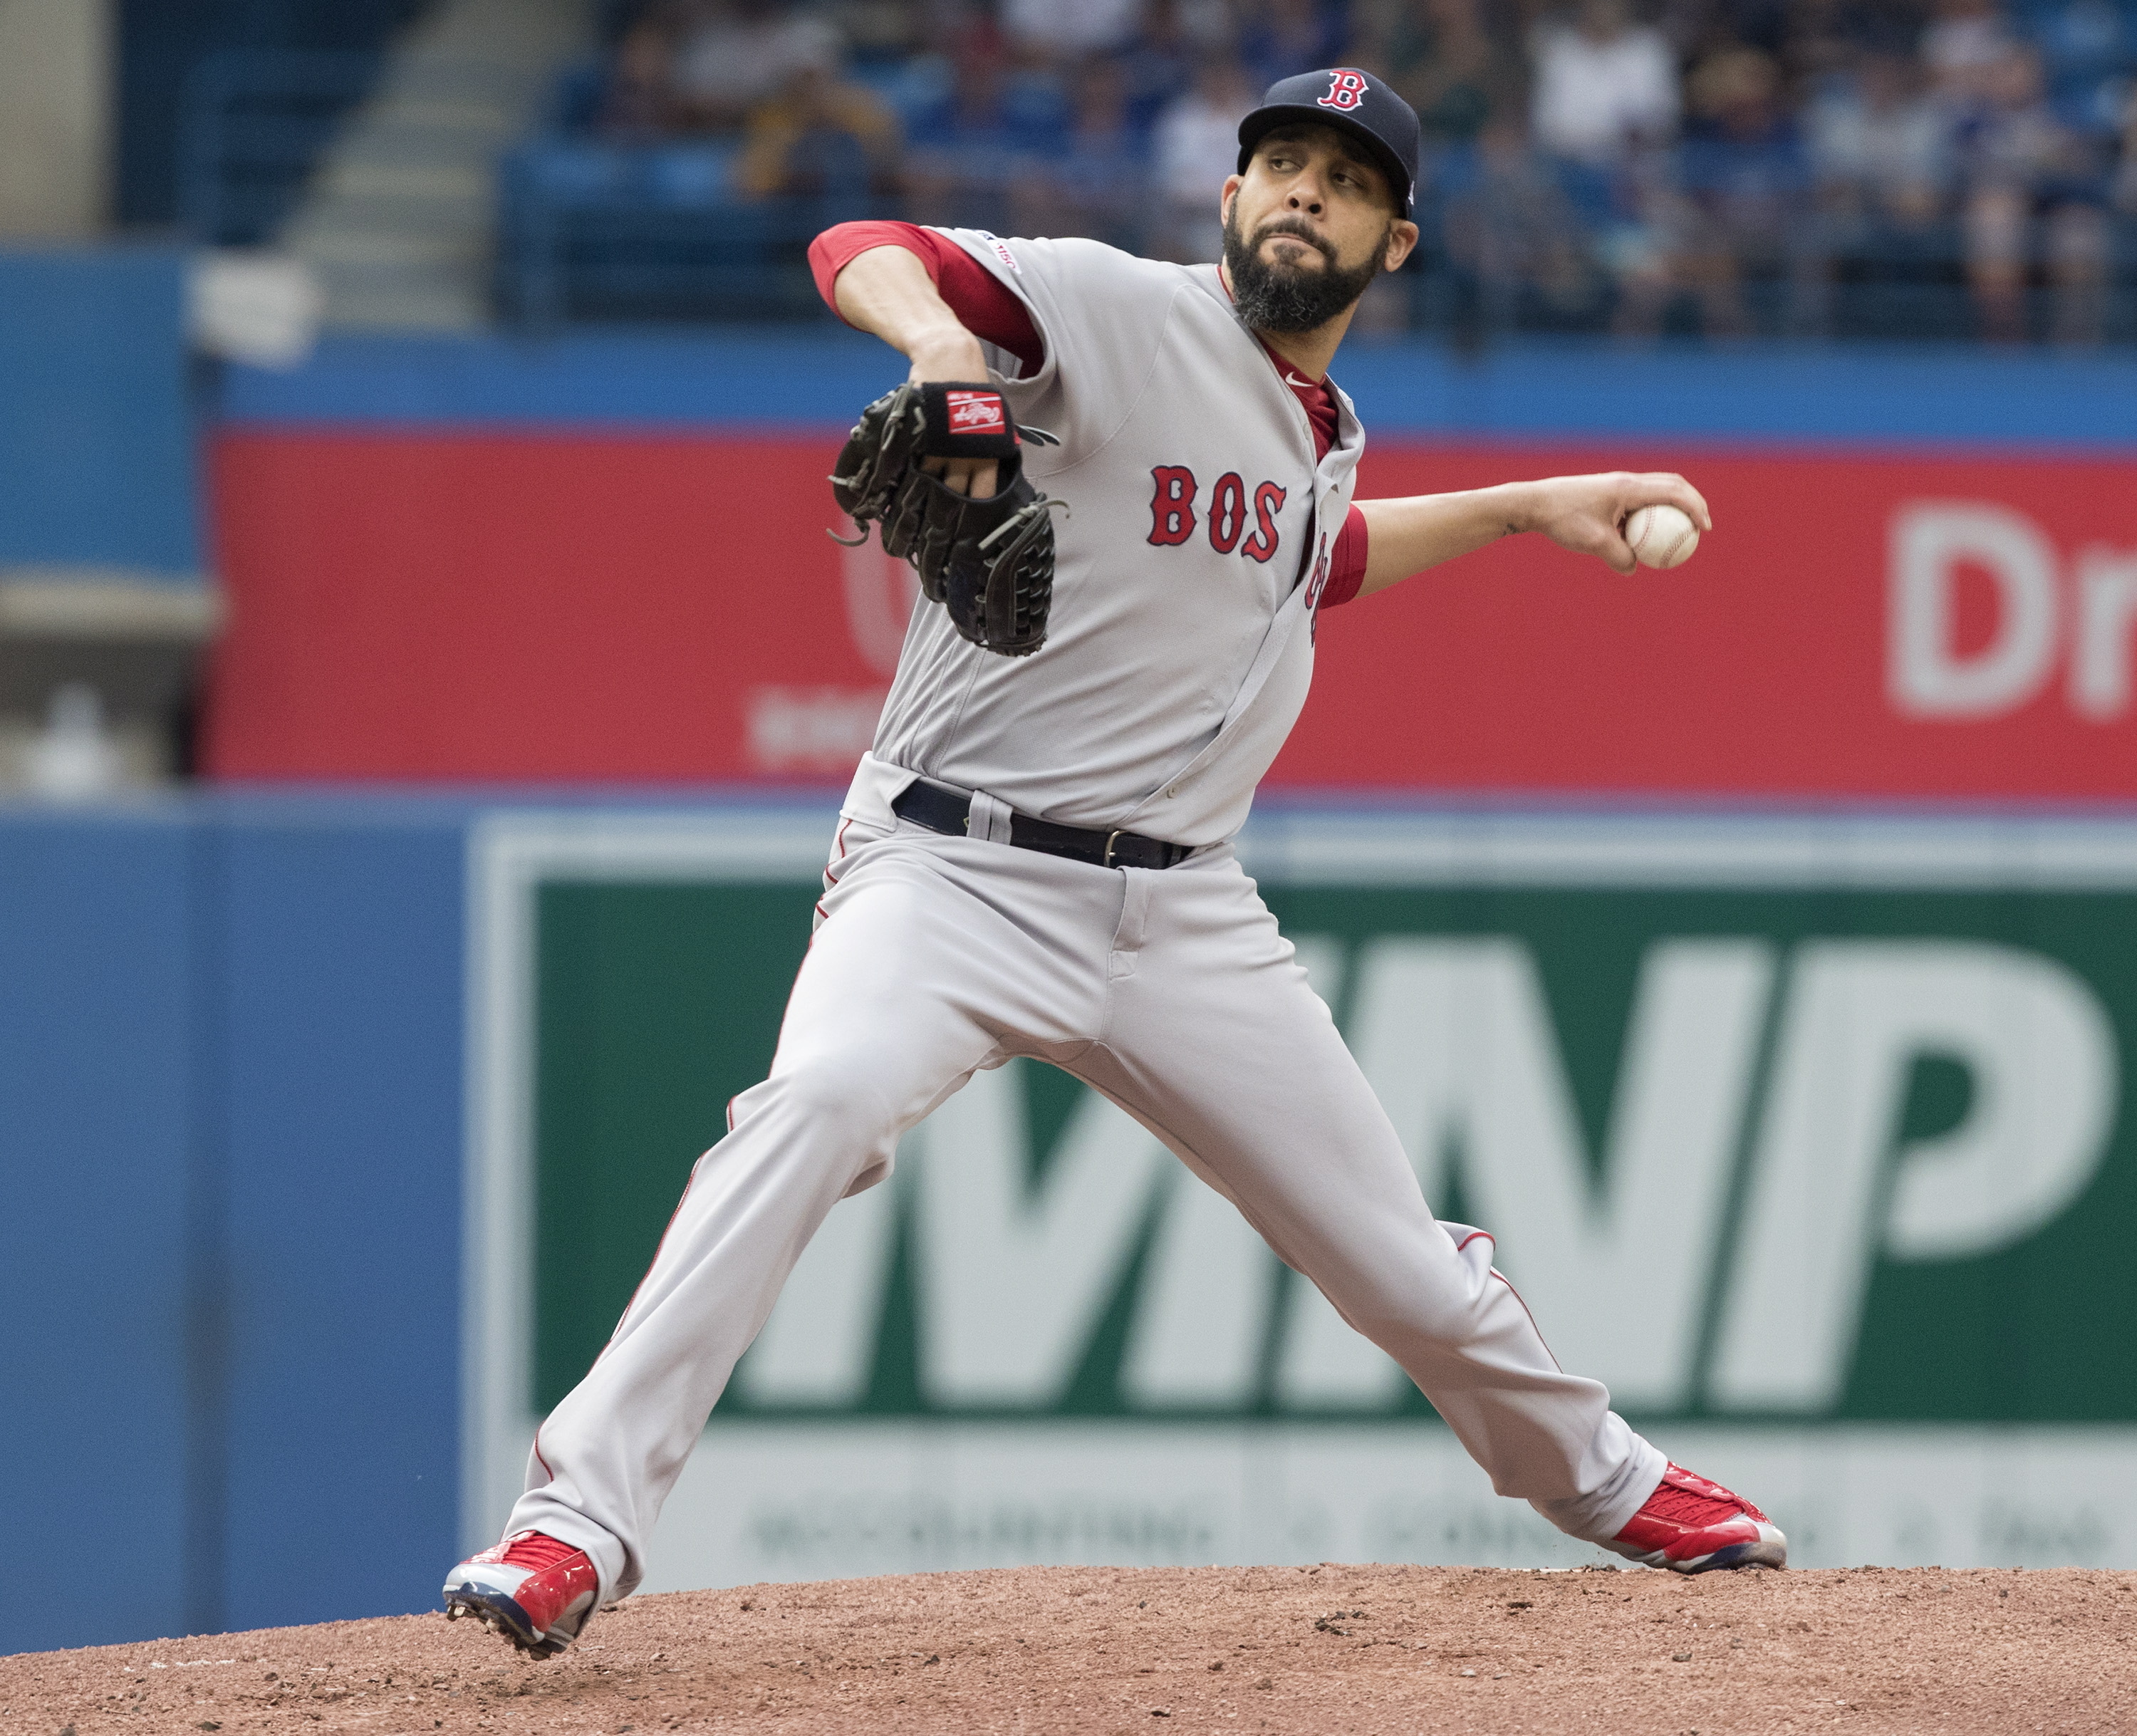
point(1310, 1650)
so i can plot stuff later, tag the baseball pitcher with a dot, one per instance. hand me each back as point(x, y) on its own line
point(1127, 488)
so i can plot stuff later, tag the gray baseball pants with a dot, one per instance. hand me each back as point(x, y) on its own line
point(1172, 994)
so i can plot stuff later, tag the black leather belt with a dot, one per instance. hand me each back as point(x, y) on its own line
point(947, 811)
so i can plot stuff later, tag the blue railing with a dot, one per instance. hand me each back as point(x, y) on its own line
point(597, 232)
point(592, 232)
point(256, 122)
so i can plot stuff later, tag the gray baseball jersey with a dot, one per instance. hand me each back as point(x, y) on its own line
point(1179, 647)
point(1180, 652)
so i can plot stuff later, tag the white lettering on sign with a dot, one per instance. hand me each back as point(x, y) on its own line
point(1324, 1364)
point(818, 1347)
point(1457, 1037)
point(811, 729)
point(1831, 1187)
point(2106, 611)
point(1012, 1276)
point(1621, 1254)
point(1929, 677)
point(1195, 1343)
point(1930, 542)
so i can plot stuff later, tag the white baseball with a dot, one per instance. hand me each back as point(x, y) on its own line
point(1662, 536)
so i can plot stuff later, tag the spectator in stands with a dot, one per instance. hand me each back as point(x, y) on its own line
point(1279, 39)
point(1194, 147)
point(817, 136)
point(1605, 86)
point(1451, 62)
point(2034, 185)
point(960, 153)
point(700, 66)
point(1881, 149)
point(1824, 38)
point(1960, 47)
point(965, 35)
point(1880, 155)
point(1094, 185)
point(1511, 228)
point(1159, 64)
point(634, 103)
point(1741, 188)
point(713, 61)
point(2087, 47)
point(769, 73)
point(1766, 25)
point(880, 32)
point(1605, 104)
point(2123, 183)
point(1063, 30)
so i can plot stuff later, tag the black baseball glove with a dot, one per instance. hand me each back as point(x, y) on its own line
point(990, 561)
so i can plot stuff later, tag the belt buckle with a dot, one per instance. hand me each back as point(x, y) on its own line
point(1112, 837)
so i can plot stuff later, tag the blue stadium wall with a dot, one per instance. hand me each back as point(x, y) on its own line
point(258, 1050)
point(231, 1061)
point(233, 1027)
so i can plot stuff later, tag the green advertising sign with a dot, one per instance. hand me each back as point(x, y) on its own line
point(1778, 1124)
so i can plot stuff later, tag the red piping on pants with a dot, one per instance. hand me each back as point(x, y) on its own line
point(660, 1245)
point(1488, 1236)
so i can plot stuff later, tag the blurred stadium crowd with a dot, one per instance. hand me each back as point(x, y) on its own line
point(1941, 168)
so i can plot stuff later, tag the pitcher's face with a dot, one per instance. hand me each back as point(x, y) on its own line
point(1312, 199)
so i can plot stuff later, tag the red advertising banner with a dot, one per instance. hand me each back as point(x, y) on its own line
point(576, 606)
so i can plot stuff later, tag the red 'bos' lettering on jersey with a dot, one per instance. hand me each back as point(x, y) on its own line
point(1228, 512)
point(976, 412)
point(1323, 570)
point(1347, 89)
point(1316, 585)
point(1172, 505)
point(1172, 511)
point(1268, 502)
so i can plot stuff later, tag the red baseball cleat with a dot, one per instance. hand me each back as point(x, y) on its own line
point(532, 1589)
point(1690, 1525)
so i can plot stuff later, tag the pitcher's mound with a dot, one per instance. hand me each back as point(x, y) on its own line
point(1308, 1650)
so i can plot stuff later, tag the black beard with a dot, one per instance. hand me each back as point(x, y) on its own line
point(1291, 298)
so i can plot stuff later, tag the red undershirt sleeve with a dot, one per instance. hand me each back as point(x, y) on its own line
point(1347, 566)
point(986, 308)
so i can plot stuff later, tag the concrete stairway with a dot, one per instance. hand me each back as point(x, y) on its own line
point(398, 224)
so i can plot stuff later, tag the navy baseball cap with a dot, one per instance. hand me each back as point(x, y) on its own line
point(1351, 102)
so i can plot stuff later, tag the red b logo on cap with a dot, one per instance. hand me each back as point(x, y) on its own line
point(1347, 89)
